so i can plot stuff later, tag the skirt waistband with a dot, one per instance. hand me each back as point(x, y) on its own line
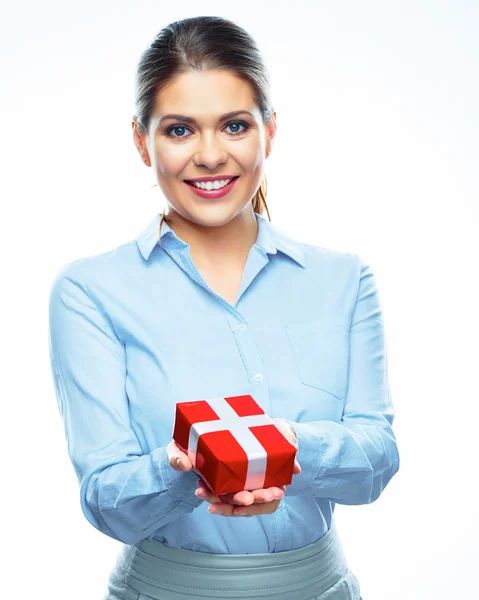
point(160, 571)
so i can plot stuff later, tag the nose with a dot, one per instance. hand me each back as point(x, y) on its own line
point(210, 152)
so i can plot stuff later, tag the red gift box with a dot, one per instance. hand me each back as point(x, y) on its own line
point(233, 444)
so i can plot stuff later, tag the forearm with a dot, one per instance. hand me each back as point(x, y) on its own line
point(131, 500)
point(348, 462)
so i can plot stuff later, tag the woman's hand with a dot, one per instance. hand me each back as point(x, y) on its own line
point(265, 501)
point(244, 503)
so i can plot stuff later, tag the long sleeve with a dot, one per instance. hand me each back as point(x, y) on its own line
point(124, 493)
point(352, 461)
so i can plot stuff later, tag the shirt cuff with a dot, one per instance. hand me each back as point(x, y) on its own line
point(308, 457)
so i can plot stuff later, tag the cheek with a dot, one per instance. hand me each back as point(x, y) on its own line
point(170, 161)
point(250, 158)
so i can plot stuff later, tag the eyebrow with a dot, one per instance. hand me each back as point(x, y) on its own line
point(191, 120)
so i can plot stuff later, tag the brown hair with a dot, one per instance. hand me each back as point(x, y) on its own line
point(202, 43)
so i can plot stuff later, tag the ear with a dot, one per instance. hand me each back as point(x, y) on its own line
point(270, 133)
point(140, 142)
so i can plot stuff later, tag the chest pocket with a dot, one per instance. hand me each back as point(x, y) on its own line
point(321, 352)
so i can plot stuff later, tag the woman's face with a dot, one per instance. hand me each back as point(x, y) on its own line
point(207, 146)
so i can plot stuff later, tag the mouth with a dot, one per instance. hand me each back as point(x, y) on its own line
point(213, 193)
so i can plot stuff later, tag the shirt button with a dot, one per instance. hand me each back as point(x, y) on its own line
point(259, 377)
point(241, 326)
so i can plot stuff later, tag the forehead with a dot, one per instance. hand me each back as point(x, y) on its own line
point(205, 95)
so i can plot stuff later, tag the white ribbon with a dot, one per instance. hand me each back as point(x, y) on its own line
point(239, 428)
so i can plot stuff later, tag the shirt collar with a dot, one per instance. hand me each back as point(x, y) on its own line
point(269, 238)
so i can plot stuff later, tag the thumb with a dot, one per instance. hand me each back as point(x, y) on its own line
point(177, 458)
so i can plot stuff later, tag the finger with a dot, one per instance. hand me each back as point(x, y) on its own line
point(246, 498)
point(230, 510)
point(268, 494)
point(174, 453)
point(255, 509)
point(207, 496)
point(226, 509)
point(202, 485)
point(180, 462)
point(221, 509)
point(242, 497)
point(205, 493)
point(184, 463)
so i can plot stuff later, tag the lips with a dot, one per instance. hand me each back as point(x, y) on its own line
point(213, 194)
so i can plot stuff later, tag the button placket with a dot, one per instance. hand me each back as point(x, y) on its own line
point(251, 358)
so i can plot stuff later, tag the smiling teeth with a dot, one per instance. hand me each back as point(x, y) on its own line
point(212, 185)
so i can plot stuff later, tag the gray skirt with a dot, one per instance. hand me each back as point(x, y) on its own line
point(152, 570)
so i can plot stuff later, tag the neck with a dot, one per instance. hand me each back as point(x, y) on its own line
point(215, 245)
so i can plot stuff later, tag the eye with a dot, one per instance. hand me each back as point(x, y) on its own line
point(183, 128)
point(170, 129)
point(236, 123)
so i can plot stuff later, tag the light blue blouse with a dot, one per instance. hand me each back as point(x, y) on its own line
point(136, 329)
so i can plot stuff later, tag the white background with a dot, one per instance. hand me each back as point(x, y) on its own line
point(376, 153)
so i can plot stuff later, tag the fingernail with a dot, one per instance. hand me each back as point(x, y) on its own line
point(180, 464)
point(268, 496)
point(240, 513)
point(200, 494)
point(215, 511)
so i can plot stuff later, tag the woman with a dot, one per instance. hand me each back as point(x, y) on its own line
point(212, 300)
